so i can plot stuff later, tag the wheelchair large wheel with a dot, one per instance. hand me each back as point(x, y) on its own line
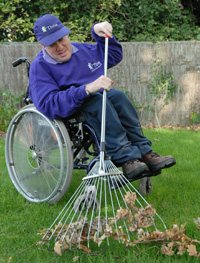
point(39, 156)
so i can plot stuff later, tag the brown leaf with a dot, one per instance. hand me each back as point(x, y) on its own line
point(192, 250)
point(57, 248)
point(130, 199)
point(197, 222)
point(167, 249)
point(169, 234)
point(59, 226)
point(175, 226)
point(65, 246)
point(158, 235)
point(132, 229)
point(122, 213)
point(141, 232)
point(181, 249)
point(145, 217)
point(100, 240)
point(177, 233)
point(76, 258)
point(108, 229)
point(95, 238)
point(86, 249)
point(67, 239)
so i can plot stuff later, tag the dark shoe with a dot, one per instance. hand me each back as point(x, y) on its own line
point(133, 169)
point(156, 162)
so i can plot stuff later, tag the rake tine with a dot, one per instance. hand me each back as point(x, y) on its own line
point(113, 211)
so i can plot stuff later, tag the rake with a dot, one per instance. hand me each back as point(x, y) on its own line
point(104, 206)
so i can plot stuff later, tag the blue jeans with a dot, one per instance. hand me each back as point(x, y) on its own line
point(124, 137)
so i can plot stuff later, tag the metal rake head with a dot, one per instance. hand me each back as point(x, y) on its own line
point(105, 205)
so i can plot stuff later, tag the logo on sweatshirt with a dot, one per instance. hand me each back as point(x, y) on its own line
point(94, 66)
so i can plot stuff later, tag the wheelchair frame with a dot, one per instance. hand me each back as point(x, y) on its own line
point(41, 153)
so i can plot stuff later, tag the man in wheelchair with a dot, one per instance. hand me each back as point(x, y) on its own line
point(68, 77)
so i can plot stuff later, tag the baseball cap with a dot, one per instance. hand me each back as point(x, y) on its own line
point(48, 29)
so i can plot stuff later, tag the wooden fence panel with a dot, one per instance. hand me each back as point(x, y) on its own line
point(133, 74)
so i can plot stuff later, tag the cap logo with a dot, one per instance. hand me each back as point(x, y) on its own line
point(44, 28)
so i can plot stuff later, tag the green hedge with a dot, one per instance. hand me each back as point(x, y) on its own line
point(138, 20)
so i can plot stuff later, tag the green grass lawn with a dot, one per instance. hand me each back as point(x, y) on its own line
point(175, 195)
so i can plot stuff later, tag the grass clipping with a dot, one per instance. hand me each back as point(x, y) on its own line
point(137, 221)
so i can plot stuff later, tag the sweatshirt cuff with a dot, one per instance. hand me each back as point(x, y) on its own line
point(83, 94)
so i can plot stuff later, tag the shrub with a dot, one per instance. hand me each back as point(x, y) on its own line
point(8, 107)
point(139, 20)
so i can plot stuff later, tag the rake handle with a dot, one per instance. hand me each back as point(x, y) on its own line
point(103, 120)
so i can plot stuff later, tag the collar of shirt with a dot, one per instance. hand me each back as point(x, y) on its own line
point(53, 61)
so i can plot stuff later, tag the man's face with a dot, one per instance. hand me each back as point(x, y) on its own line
point(61, 50)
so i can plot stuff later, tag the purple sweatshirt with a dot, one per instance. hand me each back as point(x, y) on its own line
point(58, 89)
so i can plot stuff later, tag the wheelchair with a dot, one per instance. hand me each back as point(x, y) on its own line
point(41, 153)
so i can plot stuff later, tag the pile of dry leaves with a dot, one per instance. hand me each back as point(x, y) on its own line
point(138, 221)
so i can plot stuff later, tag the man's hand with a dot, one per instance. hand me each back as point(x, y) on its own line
point(103, 28)
point(100, 83)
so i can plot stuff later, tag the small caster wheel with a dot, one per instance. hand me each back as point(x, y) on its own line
point(145, 186)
